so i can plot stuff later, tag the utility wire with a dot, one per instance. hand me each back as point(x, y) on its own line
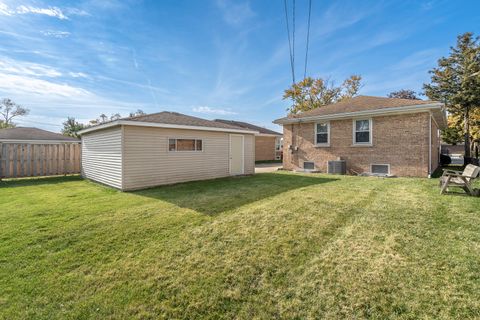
point(308, 37)
point(292, 65)
point(293, 41)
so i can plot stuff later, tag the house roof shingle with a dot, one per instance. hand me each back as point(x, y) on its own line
point(171, 119)
point(175, 118)
point(28, 133)
point(246, 125)
point(359, 103)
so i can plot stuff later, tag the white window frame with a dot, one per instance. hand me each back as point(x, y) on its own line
point(279, 144)
point(185, 151)
point(380, 164)
point(328, 134)
point(354, 131)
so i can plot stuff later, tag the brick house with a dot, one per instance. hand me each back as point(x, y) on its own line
point(268, 143)
point(372, 134)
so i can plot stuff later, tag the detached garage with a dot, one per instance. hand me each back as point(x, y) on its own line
point(165, 148)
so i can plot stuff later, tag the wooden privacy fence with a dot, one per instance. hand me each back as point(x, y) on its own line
point(27, 160)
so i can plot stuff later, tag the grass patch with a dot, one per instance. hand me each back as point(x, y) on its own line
point(273, 245)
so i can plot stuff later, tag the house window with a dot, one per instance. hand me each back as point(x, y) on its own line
point(278, 144)
point(322, 133)
point(185, 145)
point(362, 131)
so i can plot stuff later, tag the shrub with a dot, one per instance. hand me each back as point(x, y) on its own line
point(445, 160)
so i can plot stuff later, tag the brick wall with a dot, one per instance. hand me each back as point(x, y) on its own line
point(264, 148)
point(401, 141)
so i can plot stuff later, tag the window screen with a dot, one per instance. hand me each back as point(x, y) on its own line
point(362, 131)
point(308, 165)
point(380, 168)
point(185, 145)
point(322, 133)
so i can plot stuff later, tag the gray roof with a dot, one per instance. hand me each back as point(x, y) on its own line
point(26, 133)
point(246, 125)
point(175, 118)
point(358, 103)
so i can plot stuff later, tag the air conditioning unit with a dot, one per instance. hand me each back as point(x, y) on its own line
point(337, 167)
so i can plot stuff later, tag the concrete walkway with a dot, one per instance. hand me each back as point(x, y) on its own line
point(267, 167)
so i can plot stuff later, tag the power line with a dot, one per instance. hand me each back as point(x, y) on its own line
point(293, 40)
point(289, 41)
point(308, 37)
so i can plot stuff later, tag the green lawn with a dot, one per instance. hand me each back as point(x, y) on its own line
point(275, 245)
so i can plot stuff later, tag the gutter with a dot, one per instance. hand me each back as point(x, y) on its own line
point(430, 146)
point(161, 125)
point(40, 141)
point(376, 112)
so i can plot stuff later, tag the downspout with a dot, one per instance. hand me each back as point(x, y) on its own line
point(430, 146)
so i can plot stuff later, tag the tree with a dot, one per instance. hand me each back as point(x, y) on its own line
point(103, 117)
point(10, 110)
point(456, 82)
point(452, 134)
point(312, 93)
point(137, 113)
point(404, 94)
point(71, 127)
point(115, 116)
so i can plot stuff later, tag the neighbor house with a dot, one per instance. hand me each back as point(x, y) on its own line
point(28, 135)
point(268, 143)
point(165, 148)
point(371, 134)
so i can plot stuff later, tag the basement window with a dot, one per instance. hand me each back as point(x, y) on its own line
point(380, 169)
point(309, 165)
point(185, 145)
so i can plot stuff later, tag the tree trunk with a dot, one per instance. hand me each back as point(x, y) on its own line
point(466, 128)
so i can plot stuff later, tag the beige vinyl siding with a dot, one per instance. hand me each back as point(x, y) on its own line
point(147, 161)
point(102, 156)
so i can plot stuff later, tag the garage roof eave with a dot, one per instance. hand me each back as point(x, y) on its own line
point(161, 125)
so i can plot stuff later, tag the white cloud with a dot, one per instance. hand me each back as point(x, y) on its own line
point(235, 13)
point(56, 34)
point(27, 68)
point(50, 11)
point(208, 110)
point(13, 83)
point(76, 12)
point(78, 75)
point(418, 59)
point(4, 10)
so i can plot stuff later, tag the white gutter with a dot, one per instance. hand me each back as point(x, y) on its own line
point(430, 145)
point(38, 141)
point(376, 112)
point(268, 135)
point(160, 125)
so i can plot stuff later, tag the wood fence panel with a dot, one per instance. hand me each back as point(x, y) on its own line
point(19, 160)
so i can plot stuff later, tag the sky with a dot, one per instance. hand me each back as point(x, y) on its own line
point(212, 59)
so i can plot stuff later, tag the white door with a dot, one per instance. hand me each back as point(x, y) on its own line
point(236, 154)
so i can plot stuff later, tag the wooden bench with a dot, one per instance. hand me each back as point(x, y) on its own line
point(464, 180)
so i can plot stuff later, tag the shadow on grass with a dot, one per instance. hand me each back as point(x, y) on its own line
point(215, 196)
point(36, 181)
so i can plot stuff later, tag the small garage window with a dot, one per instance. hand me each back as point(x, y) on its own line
point(185, 145)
